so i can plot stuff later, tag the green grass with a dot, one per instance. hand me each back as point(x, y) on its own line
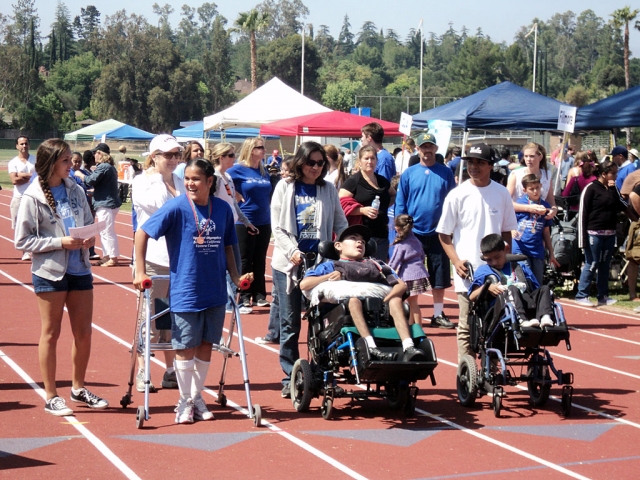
point(616, 290)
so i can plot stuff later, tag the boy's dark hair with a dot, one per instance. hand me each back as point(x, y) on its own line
point(395, 180)
point(491, 243)
point(529, 179)
point(456, 151)
point(375, 131)
point(505, 154)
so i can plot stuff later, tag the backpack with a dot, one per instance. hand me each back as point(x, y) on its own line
point(564, 238)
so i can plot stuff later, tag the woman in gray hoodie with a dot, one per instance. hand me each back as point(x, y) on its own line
point(61, 272)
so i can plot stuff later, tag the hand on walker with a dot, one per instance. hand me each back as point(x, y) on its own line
point(243, 282)
point(142, 281)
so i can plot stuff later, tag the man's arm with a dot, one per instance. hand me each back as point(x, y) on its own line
point(449, 249)
point(19, 178)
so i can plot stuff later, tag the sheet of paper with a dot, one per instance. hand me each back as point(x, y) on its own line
point(88, 231)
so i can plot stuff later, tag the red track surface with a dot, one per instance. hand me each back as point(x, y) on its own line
point(365, 440)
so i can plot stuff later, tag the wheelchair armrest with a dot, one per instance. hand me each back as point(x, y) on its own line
point(512, 257)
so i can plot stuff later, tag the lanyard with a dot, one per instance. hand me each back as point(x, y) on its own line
point(200, 239)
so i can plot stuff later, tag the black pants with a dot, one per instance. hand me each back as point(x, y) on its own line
point(528, 305)
point(253, 250)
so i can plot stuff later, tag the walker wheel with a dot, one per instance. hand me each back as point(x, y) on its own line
point(497, 403)
point(257, 416)
point(125, 401)
point(140, 417)
point(222, 400)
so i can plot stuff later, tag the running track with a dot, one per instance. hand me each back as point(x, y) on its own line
point(364, 440)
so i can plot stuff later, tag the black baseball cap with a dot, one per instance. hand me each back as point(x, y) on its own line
point(481, 151)
point(102, 147)
point(361, 230)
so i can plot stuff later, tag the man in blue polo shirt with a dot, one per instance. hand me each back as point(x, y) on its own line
point(372, 134)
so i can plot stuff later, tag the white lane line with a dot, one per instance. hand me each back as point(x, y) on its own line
point(595, 365)
point(73, 421)
point(301, 443)
point(611, 337)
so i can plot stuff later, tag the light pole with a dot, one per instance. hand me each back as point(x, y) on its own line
point(304, 27)
point(421, 62)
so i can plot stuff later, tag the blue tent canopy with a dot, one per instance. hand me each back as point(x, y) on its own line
point(501, 107)
point(617, 111)
point(125, 132)
point(197, 131)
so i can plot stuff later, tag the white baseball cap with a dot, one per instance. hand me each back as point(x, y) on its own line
point(634, 152)
point(164, 143)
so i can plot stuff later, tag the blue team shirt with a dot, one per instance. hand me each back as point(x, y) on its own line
point(386, 165)
point(421, 194)
point(305, 201)
point(255, 188)
point(624, 173)
point(485, 270)
point(531, 243)
point(197, 272)
point(75, 266)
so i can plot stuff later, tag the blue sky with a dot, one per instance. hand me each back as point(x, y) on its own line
point(500, 19)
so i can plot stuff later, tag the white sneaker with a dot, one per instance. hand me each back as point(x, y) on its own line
point(530, 323)
point(184, 411)
point(546, 321)
point(245, 310)
point(607, 302)
point(26, 257)
point(200, 410)
point(585, 302)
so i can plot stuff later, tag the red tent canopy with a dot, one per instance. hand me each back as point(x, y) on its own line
point(327, 124)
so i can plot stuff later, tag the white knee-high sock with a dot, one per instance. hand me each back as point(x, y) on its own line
point(437, 309)
point(201, 368)
point(184, 374)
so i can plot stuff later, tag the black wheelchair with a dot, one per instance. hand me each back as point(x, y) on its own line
point(510, 353)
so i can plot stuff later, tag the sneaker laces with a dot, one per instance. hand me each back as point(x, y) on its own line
point(90, 397)
point(57, 403)
point(200, 404)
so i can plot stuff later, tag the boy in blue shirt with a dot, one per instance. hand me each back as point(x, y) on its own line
point(511, 285)
point(533, 233)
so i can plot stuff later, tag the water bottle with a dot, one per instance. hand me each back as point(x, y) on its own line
point(376, 203)
point(522, 226)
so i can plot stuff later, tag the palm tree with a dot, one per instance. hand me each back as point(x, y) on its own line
point(252, 22)
point(622, 17)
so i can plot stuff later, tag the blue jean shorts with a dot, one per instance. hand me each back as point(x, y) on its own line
point(438, 264)
point(190, 329)
point(67, 284)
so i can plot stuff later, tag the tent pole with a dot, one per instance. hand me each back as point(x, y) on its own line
point(295, 147)
point(565, 140)
point(465, 137)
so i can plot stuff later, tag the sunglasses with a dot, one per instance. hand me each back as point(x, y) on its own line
point(170, 155)
point(258, 148)
point(313, 163)
point(230, 155)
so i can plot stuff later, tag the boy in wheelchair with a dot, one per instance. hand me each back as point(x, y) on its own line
point(514, 283)
point(352, 266)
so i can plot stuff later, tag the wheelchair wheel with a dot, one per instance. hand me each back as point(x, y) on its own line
point(567, 394)
point(397, 395)
point(496, 403)
point(467, 381)
point(301, 385)
point(538, 391)
point(327, 407)
point(410, 406)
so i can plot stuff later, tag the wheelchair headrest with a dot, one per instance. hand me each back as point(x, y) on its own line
point(327, 250)
point(512, 257)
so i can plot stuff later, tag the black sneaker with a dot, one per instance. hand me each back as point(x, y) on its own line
point(89, 399)
point(286, 391)
point(382, 356)
point(58, 407)
point(441, 321)
point(413, 354)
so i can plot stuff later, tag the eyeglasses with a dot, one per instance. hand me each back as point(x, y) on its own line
point(230, 155)
point(258, 148)
point(170, 155)
point(313, 163)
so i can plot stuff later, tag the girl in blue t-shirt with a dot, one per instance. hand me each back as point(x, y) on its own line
point(60, 269)
point(253, 190)
point(200, 235)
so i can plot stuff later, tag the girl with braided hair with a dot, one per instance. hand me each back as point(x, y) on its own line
point(408, 261)
point(61, 272)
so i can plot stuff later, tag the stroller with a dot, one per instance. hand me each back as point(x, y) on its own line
point(338, 354)
point(504, 347)
point(142, 345)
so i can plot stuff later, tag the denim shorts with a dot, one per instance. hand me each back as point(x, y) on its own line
point(67, 284)
point(190, 329)
point(438, 264)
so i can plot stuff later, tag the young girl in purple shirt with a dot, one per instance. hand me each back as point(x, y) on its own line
point(408, 262)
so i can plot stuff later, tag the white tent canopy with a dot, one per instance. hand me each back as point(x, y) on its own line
point(272, 101)
point(87, 133)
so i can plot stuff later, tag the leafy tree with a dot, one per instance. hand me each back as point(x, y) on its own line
point(218, 74)
point(621, 18)
point(286, 18)
point(475, 66)
point(164, 13)
point(251, 23)
point(73, 80)
point(341, 95)
point(515, 67)
point(86, 27)
point(369, 36)
point(281, 58)
point(325, 43)
point(25, 23)
point(345, 39)
point(577, 95)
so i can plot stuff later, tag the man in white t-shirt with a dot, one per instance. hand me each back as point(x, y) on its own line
point(21, 168)
point(474, 209)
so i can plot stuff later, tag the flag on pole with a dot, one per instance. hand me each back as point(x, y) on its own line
point(533, 29)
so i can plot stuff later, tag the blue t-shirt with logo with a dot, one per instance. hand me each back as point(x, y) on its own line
point(197, 271)
point(255, 188)
point(386, 165)
point(531, 243)
point(305, 201)
point(66, 210)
